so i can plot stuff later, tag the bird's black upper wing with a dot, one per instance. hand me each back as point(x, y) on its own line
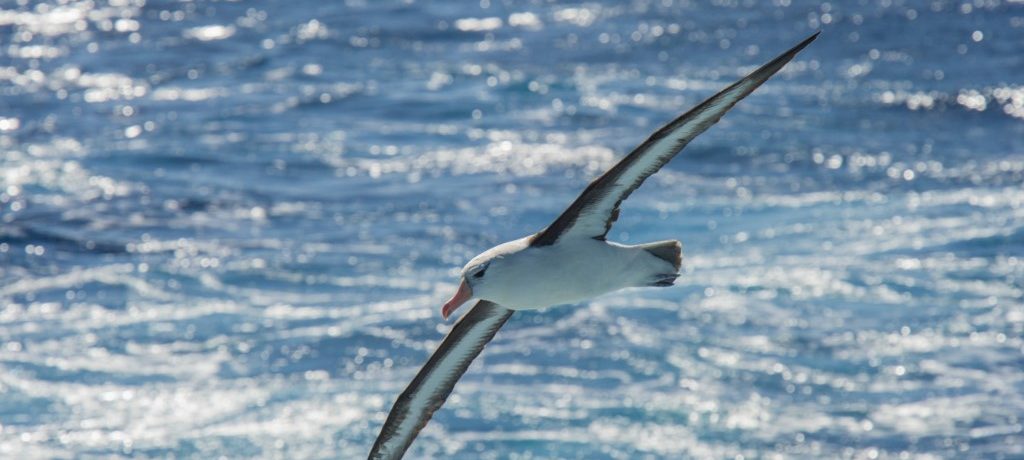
point(595, 210)
point(437, 378)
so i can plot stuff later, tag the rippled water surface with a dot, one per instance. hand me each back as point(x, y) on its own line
point(226, 228)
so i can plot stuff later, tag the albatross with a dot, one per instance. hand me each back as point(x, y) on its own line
point(569, 261)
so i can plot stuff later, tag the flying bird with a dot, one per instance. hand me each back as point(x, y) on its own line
point(569, 261)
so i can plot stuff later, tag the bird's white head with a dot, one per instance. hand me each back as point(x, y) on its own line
point(481, 274)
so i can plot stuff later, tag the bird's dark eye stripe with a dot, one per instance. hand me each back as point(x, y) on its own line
point(480, 273)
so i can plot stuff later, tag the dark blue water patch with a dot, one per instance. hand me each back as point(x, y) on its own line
point(19, 408)
point(338, 356)
point(113, 297)
point(990, 246)
point(67, 238)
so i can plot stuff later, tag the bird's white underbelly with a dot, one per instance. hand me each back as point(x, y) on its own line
point(569, 272)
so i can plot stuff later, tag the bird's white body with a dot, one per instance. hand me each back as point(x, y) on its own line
point(524, 277)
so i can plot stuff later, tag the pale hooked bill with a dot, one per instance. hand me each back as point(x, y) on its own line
point(567, 262)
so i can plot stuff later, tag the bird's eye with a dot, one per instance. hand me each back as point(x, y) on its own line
point(480, 273)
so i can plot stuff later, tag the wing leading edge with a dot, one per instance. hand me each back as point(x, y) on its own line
point(437, 378)
point(597, 208)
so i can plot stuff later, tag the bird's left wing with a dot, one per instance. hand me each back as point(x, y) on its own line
point(592, 214)
point(435, 381)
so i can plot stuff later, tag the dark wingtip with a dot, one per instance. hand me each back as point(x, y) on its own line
point(784, 58)
point(807, 41)
point(800, 46)
point(763, 73)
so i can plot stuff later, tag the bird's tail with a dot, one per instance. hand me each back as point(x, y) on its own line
point(670, 251)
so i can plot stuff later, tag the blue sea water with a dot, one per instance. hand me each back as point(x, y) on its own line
point(226, 228)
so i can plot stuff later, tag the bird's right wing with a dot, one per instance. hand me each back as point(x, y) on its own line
point(435, 381)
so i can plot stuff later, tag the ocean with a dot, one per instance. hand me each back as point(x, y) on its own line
point(227, 228)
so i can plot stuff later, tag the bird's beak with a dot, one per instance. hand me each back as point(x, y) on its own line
point(461, 296)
